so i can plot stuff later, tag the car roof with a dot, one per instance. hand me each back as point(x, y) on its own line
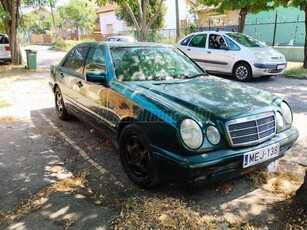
point(126, 44)
point(214, 31)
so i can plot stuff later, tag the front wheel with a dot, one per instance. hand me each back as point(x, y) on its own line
point(242, 72)
point(60, 106)
point(136, 157)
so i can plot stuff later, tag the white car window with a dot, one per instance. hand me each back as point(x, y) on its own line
point(199, 40)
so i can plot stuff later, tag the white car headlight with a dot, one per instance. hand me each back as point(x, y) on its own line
point(213, 135)
point(286, 112)
point(279, 120)
point(191, 133)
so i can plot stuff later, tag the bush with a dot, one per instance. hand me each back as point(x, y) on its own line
point(60, 44)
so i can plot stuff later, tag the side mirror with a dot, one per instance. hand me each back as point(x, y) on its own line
point(223, 47)
point(96, 76)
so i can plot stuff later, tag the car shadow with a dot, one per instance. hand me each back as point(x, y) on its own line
point(113, 185)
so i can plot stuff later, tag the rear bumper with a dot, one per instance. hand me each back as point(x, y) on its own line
point(205, 167)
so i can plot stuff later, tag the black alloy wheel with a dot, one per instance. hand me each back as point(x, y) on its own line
point(136, 157)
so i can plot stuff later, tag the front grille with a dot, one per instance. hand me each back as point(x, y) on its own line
point(251, 130)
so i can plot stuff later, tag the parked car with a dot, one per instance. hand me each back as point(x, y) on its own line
point(5, 50)
point(169, 119)
point(120, 39)
point(232, 53)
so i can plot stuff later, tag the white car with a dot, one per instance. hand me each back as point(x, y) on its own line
point(5, 50)
point(120, 39)
point(232, 53)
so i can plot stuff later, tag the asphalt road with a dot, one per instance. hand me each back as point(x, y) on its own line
point(38, 150)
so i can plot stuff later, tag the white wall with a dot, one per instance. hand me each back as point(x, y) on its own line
point(110, 18)
point(170, 17)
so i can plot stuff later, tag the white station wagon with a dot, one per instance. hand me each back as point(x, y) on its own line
point(232, 53)
point(5, 51)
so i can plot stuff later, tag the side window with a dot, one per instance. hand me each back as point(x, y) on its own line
point(186, 41)
point(67, 61)
point(215, 41)
point(231, 44)
point(199, 41)
point(95, 66)
point(78, 59)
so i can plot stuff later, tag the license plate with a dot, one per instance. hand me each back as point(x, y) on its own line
point(261, 155)
point(281, 66)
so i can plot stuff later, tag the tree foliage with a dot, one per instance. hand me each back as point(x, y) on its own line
point(80, 13)
point(36, 22)
point(143, 14)
point(244, 6)
point(121, 13)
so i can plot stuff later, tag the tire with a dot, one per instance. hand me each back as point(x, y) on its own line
point(242, 72)
point(60, 106)
point(136, 157)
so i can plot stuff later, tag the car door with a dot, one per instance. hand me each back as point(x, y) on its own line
point(92, 91)
point(69, 76)
point(220, 57)
point(195, 48)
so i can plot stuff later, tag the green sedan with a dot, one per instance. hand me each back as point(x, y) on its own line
point(170, 120)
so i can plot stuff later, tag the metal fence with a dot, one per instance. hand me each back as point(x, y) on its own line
point(273, 33)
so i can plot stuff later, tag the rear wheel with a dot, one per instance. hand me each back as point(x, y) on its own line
point(136, 157)
point(60, 106)
point(242, 72)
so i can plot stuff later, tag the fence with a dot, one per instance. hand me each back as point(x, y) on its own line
point(272, 33)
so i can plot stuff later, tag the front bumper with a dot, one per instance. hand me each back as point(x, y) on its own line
point(218, 164)
point(261, 69)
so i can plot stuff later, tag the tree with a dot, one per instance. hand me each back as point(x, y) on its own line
point(10, 17)
point(42, 3)
point(81, 13)
point(143, 14)
point(36, 22)
point(244, 7)
point(302, 5)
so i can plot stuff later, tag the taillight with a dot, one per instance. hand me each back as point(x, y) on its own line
point(7, 48)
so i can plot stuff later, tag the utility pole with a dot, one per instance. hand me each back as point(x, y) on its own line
point(177, 20)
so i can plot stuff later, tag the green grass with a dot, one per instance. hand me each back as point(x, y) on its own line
point(295, 70)
point(299, 73)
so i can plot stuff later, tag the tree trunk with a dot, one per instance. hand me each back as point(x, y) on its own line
point(11, 25)
point(305, 45)
point(243, 13)
point(177, 21)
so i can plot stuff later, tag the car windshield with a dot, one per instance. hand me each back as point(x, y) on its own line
point(3, 39)
point(152, 64)
point(245, 40)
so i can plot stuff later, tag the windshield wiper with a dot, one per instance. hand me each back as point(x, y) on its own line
point(196, 75)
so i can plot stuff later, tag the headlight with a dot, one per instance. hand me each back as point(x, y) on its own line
point(191, 133)
point(213, 135)
point(279, 120)
point(286, 112)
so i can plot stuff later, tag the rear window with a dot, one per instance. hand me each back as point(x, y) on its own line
point(4, 39)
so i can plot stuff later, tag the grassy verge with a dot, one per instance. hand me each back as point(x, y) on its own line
point(295, 70)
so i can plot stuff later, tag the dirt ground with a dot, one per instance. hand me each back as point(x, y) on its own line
point(40, 153)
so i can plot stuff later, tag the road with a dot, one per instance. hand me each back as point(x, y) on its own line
point(39, 152)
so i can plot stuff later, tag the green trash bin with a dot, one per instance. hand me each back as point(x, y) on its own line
point(31, 58)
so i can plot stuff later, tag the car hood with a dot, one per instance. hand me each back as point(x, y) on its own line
point(212, 96)
point(268, 52)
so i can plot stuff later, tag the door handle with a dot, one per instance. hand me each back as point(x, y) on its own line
point(189, 49)
point(79, 83)
point(209, 52)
